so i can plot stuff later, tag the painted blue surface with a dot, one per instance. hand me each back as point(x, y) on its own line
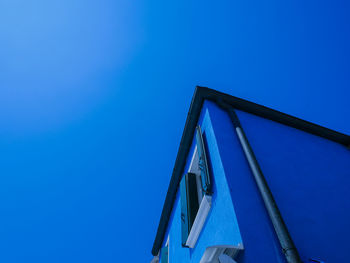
point(309, 176)
point(221, 227)
point(258, 236)
point(310, 179)
point(237, 214)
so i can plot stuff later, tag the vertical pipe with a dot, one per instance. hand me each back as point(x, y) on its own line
point(288, 247)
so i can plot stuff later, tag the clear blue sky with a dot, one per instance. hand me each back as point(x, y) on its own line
point(94, 97)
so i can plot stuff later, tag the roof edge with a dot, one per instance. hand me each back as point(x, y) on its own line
point(204, 93)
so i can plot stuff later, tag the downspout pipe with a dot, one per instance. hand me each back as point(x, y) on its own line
point(287, 244)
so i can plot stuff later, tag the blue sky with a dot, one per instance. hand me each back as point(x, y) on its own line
point(94, 97)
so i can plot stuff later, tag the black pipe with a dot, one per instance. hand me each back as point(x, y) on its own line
point(287, 244)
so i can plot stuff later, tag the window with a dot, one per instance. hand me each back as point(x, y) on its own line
point(195, 194)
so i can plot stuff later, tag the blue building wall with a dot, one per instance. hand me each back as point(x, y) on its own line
point(310, 179)
point(221, 227)
point(260, 242)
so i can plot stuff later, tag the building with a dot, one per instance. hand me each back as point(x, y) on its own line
point(251, 184)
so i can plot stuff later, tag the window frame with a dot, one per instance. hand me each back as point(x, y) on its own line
point(199, 169)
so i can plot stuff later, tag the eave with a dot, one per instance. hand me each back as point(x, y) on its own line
point(200, 95)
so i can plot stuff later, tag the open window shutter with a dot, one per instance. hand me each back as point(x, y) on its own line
point(203, 164)
point(164, 255)
point(189, 204)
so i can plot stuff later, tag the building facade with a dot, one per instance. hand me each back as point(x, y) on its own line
point(251, 184)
